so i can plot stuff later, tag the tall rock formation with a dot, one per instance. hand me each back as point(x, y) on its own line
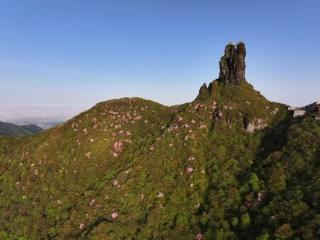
point(232, 69)
point(232, 64)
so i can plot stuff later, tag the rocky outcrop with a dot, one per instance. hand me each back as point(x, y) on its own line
point(203, 92)
point(299, 112)
point(314, 110)
point(232, 64)
point(232, 69)
point(256, 124)
point(311, 110)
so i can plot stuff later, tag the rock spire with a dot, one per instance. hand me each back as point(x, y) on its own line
point(232, 69)
point(232, 64)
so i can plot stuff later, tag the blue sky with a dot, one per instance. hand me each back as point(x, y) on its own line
point(77, 52)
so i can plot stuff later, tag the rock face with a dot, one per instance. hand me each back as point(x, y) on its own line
point(232, 69)
point(299, 112)
point(312, 109)
point(203, 92)
point(232, 64)
point(256, 124)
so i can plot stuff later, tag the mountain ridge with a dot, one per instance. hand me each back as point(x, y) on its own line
point(10, 129)
point(227, 165)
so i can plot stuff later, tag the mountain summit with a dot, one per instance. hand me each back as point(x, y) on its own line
point(232, 64)
point(228, 165)
point(232, 67)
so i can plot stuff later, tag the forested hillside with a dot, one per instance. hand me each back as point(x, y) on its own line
point(229, 165)
point(9, 129)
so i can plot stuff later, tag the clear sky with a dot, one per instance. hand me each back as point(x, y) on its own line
point(78, 52)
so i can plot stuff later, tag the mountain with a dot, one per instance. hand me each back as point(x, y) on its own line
point(228, 165)
point(9, 129)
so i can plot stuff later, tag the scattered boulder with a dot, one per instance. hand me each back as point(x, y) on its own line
point(217, 114)
point(199, 236)
point(189, 169)
point(118, 146)
point(92, 202)
point(115, 183)
point(250, 128)
point(114, 215)
point(160, 195)
point(81, 226)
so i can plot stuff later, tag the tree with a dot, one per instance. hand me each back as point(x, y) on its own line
point(277, 180)
point(245, 220)
point(254, 182)
point(284, 232)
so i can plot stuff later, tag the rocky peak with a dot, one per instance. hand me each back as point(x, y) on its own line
point(232, 64)
point(203, 92)
point(232, 69)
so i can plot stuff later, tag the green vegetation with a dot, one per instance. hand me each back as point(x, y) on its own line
point(134, 169)
point(9, 129)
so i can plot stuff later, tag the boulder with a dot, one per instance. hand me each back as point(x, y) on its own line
point(299, 112)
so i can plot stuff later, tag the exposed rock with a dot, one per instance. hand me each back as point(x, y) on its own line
point(299, 112)
point(314, 107)
point(217, 114)
point(232, 64)
point(311, 110)
point(189, 169)
point(114, 215)
point(203, 92)
point(81, 226)
point(160, 195)
point(118, 146)
point(256, 124)
point(199, 236)
point(232, 69)
point(214, 105)
point(92, 202)
point(250, 128)
point(115, 183)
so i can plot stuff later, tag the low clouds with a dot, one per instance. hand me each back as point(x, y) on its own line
point(43, 116)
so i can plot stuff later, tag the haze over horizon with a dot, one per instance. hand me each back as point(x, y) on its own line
point(77, 53)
